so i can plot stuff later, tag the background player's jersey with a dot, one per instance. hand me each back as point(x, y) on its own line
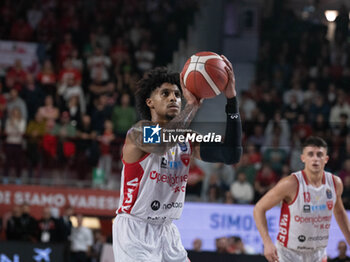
point(154, 188)
point(304, 224)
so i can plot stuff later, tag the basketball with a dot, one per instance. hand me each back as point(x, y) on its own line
point(204, 74)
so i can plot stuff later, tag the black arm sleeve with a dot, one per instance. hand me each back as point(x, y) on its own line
point(230, 151)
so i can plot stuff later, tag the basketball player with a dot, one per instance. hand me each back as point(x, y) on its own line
point(154, 176)
point(309, 198)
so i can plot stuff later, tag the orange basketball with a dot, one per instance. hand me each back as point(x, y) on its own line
point(204, 74)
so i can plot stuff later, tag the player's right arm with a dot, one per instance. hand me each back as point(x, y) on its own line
point(285, 190)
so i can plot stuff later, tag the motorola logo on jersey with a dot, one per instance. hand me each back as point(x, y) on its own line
point(301, 238)
point(155, 205)
point(173, 205)
point(318, 238)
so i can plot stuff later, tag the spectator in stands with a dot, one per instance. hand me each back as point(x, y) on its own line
point(345, 171)
point(33, 95)
point(318, 106)
point(96, 249)
point(225, 175)
point(123, 116)
point(264, 181)
point(99, 87)
point(195, 180)
point(69, 71)
point(197, 245)
point(15, 128)
point(241, 190)
point(15, 101)
point(47, 78)
point(49, 112)
point(99, 62)
point(258, 137)
point(65, 132)
point(65, 225)
point(16, 76)
point(342, 257)
point(277, 128)
point(65, 48)
point(341, 107)
point(106, 139)
point(77, 62)
point(14, 230)
point(21, 31)
point(81, 241)
point(69, 88)
point(100, 114)
point(3, 103)
point(48, 227)
point(36, 130)
point(221, 245)
point(29, 224)
point(275, 155)
point(346, 192)
point(144, 57)
point(34, 15)
point(87, 148)
point(247, 167)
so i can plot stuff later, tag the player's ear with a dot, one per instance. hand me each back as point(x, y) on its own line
point(149, 102)
point(327, 158)
point(302, 158)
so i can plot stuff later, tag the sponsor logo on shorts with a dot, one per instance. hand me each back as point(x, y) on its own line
point(155, 205)
point(301, 238)
point(173, 205)
point(329, 193)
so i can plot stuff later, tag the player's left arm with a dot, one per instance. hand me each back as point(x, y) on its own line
point(339, 210)
point(230, 151)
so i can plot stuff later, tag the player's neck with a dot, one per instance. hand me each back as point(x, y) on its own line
point(314, 178)
point(159, 120)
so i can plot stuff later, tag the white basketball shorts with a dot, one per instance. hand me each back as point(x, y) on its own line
point(135, 240)
point(289, 255)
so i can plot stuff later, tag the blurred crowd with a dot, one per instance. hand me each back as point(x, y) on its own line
point(67, 117)
point(300, 89)
point(81, 243)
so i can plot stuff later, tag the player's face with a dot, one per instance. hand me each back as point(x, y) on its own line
point(314, 158)
point(165, 102)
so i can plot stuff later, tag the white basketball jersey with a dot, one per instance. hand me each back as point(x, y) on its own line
point(304, 223)
point(154, 188)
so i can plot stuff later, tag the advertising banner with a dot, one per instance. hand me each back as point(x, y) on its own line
point(28, 252)
point(211, 221)
point(10, 51)
point(85, 201)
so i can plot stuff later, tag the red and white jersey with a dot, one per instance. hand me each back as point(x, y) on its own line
point(154, 188)
point(304, 223)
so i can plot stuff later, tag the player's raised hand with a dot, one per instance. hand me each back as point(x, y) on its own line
point(190, 98)
point(230, 90)
point(270, 252)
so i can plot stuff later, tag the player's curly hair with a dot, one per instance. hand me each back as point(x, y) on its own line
point(152, 80)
